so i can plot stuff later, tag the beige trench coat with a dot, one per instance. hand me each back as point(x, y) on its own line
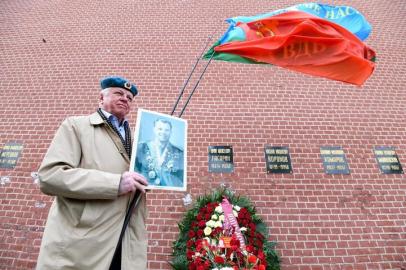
point(82, 169)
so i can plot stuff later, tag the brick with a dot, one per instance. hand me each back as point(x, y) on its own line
point(320, 221)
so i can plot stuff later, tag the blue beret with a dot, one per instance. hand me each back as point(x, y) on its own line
point(115, 81)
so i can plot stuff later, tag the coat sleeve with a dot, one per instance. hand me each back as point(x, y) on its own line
point(60, 174)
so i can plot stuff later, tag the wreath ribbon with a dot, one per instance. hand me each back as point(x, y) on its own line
point(231, 222)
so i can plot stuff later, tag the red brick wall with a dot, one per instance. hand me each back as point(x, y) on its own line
point(53, 53)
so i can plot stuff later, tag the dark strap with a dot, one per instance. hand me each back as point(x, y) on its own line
point(116, 261)
point(127, 141)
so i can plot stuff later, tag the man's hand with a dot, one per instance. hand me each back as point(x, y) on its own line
point(131, 181)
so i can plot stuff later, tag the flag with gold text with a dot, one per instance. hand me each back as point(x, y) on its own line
point(298, 41)
point(311, 38)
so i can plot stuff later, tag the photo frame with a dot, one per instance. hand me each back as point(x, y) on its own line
point(160, 150)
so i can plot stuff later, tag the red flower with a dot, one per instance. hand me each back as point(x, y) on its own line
point(202, 223)
point(252, 259)
point(190, 243)
point(189, 254)
point(259, 243)
point(261, 267)
point(251, 240)
point(205, 243)
point(218, 230)
point(259, 236)
point(235, 243)
point(198, 261)
point(250, 248)
point(191, 234)
point(219, 260)
point(244, 211)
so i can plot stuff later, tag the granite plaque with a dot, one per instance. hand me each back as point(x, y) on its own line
point(334, 160)
point(9, 154)
point(221, 159)
point(277, 159)
point(387, 160)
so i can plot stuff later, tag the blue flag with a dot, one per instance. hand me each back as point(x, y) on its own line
point(345, 16)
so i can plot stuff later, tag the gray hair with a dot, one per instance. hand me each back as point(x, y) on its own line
point(105, 91)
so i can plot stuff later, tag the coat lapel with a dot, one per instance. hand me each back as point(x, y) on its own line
point(95, 119)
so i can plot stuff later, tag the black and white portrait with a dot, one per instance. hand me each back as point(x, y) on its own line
point(160, 147)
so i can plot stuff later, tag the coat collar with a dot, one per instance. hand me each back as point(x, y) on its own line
point(95, 119)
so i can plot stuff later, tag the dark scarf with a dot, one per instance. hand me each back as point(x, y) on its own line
point(127, 141)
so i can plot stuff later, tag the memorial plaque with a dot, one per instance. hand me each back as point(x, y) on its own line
point(9, 154)
point(277, 159)
point(387, 159)
point(221, 159)
point(334, 160)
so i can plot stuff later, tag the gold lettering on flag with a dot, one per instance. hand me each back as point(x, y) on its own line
point(303, 49)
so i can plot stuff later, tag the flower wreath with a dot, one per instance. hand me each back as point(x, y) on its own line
point(208, 241)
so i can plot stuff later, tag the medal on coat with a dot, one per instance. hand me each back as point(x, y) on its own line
point(151, 174)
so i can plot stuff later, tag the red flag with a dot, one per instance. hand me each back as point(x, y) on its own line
point(305, 43)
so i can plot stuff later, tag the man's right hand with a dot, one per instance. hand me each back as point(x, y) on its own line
point(131, 181)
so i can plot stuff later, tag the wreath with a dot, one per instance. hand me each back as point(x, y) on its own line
point(223, 232)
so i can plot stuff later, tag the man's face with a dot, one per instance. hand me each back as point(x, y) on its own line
point(162, 131)
point(116, 101)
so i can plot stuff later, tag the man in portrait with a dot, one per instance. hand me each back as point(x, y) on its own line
point(158, 159)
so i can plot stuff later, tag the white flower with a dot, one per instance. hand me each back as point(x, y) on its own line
point(219, 209)
point(235, 213)
point(221, 218)
point(214, 217)
point(243, 229)
point(237, 208)
point(218, 224)
point(207, 231)
point(210, 223)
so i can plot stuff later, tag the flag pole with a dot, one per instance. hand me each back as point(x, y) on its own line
point(190, 75)
point(116, 260)
point(197, 84)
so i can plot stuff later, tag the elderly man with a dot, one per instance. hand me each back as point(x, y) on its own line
point(86, 169)
point(158, 160)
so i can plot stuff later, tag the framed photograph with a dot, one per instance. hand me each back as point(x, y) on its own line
point(159, 150)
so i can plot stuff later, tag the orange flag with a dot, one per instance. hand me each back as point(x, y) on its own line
point(305, 43)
